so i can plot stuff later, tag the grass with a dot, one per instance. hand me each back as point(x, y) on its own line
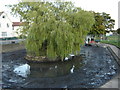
point(114, 40)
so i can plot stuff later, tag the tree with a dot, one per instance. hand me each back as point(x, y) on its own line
point(98, 28)
point(103, 24)
point(108, 22)
point(118, 30)
point(54, 29)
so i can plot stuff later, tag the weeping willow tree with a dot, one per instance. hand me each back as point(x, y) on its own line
point(53, 29)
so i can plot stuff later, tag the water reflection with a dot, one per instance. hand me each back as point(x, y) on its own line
point(55, 69)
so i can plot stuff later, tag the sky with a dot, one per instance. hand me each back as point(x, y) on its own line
point(107, 6)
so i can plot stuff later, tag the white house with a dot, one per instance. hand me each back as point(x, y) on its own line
point(8, 29)
point(5, 26)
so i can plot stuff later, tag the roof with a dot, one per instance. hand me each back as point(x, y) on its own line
point(18, 23)
point(5, 14)
point(1, 13)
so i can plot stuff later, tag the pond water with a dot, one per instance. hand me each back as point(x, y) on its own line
point(55, 69)
point(92, 68)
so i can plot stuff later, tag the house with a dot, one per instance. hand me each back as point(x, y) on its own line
point(5, 26)
point(8, 29)
point(15, 27)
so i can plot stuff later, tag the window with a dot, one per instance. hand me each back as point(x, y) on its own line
point(13, 28)
point(3, 16)
point(7, 25)
point(4, 33)
point(0, 24)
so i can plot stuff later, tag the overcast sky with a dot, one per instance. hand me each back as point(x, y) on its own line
point(108, 6)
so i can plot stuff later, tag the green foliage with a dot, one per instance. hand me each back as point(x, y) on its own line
point(114, 40)
point(53, 29)
point(108, 21)
point(118, 30)
point(103, 24)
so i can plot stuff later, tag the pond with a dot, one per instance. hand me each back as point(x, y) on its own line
point(55, 69)
point(91, 69)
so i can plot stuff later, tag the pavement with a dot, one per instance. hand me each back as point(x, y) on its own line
point(10, 41)
point(115, 82)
